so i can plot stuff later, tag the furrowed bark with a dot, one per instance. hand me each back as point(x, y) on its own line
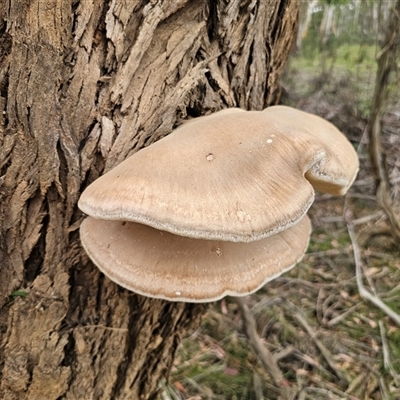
point(83, 85)
point(386, 65)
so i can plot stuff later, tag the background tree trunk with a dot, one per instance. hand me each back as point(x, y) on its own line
point(84, 84)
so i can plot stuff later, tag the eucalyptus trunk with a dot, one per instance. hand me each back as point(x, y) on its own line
point(83, 85)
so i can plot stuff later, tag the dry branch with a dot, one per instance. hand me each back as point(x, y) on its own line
point(364, 293)
point(262, 352)
point(297, 313)
point(386, 355)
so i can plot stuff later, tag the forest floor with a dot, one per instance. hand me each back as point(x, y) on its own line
point(328, 340)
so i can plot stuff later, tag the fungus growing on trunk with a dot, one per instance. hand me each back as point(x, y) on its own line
point(238, 181)
point(160, 264)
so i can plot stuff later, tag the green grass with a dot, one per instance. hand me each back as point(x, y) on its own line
point(18, 293)
point(352, 58)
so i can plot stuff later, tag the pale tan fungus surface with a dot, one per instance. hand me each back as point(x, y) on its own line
point(235, 175)
point(162, 265)
point(333, 173)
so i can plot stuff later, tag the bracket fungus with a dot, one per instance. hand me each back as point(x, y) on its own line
point(236, 176)
point(160, 264)
point(218, 206)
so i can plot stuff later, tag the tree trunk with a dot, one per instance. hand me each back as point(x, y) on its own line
point(387, 63)
point(84, 84)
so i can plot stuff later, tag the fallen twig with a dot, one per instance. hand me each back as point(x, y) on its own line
point(285, 352)
point(258, 392)
point(263, 353)
point(299, 316)
point(339, 318)
point(386, 355)
point(310, 361)
point(367, 218)
point(364, 293)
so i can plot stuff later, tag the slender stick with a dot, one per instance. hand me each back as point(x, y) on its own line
point(364, 293)
point(262, 352)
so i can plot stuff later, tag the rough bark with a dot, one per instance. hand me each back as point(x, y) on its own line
point(83, 85)
point(387, 60)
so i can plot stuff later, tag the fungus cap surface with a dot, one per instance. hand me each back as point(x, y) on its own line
point(234, 175)
point(159, 264)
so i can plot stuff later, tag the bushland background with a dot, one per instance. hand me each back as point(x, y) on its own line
point(332, 324)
